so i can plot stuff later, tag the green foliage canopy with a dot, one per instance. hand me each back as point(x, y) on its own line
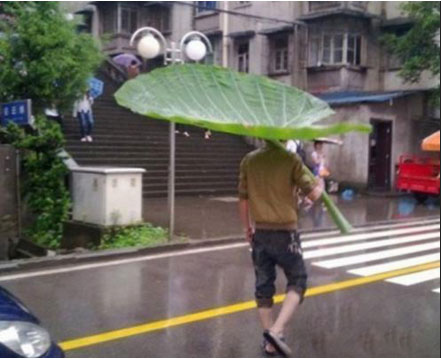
point(42, 57)
point(419, 48)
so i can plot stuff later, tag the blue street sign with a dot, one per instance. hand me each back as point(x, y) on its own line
point(18, 112)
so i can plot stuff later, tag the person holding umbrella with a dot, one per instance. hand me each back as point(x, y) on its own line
point(129, 62)
point(318, 156)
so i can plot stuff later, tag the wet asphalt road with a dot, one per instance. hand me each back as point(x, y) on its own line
point(214, 217)
point(378, 319)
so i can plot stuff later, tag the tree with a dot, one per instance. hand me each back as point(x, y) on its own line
point(419, 48)
point(43, 58)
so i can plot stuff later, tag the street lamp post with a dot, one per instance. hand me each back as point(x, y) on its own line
point(194, 46)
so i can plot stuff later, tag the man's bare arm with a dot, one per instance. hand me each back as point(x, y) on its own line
point(316, 193)
point(245, 218)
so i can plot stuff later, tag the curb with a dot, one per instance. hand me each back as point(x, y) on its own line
point(113, 254)
point(106, 255)
point(23, 265)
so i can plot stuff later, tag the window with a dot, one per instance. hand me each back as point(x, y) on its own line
point(354, 50)
point(318, 6)
point(159, 18)
point(129, 20)
point(109, 19)
point(394, 62)
point(335, 49)
point(204, 6)
point(314, 50)
point(243, 57)
point(280, 54)
point(323, 5)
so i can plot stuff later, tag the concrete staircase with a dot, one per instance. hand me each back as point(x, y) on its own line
point(124, 139)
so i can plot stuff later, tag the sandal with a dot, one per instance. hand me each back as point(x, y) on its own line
point(267, 353)
point(279, 343)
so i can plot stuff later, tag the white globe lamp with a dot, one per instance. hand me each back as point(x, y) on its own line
point(149, 47)
point(195, 50)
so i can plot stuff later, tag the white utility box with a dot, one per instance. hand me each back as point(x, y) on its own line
point(107, 196)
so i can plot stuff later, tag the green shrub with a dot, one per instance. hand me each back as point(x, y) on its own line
point(144, 235)
point(43, 186)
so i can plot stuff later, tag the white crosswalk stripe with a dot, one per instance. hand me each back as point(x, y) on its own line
point(388, 267)
point(416, 278)
point(436, 290)
point(369, 245)
point(370, 257)
point(376, 252)
point(363, 237)
point(386, 227)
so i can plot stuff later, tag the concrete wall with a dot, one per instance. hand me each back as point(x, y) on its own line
point(282, 10)
point(181, 21)
point(393, 81)
point(349, 163)
point(376, 7)
point(8, 198)
point(72, 6)
point(206, 22)
point(336, 78)
point(392, 9)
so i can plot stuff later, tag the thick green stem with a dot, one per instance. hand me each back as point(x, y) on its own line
point(338, 217)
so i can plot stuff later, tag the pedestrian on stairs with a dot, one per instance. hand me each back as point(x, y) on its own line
point(269, 179)
point(83, 112)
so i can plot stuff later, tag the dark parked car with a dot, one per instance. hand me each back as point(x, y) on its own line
point(21, 335)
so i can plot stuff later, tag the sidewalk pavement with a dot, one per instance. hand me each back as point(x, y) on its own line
point(202, 218)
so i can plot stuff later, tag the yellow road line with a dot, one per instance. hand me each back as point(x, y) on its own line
point(235, 308)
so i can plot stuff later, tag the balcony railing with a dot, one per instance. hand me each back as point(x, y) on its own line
point(319, 6)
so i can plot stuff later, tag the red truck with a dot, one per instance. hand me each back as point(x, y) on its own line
point(420, 175)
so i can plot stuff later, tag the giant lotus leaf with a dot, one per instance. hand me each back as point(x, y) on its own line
point(228, 101)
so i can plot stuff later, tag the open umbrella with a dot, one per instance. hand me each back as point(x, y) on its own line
point(431, 143)
point(224, 100)
point(126, 60)
point(329, 141)
point(96, 87)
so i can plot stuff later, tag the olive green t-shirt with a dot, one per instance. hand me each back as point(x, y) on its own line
point(269, 179)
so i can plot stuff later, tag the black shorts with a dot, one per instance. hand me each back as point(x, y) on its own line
point(277, 248)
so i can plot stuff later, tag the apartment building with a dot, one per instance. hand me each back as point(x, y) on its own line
point(329, 48)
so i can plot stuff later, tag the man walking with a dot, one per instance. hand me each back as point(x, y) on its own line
point(269, 179)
